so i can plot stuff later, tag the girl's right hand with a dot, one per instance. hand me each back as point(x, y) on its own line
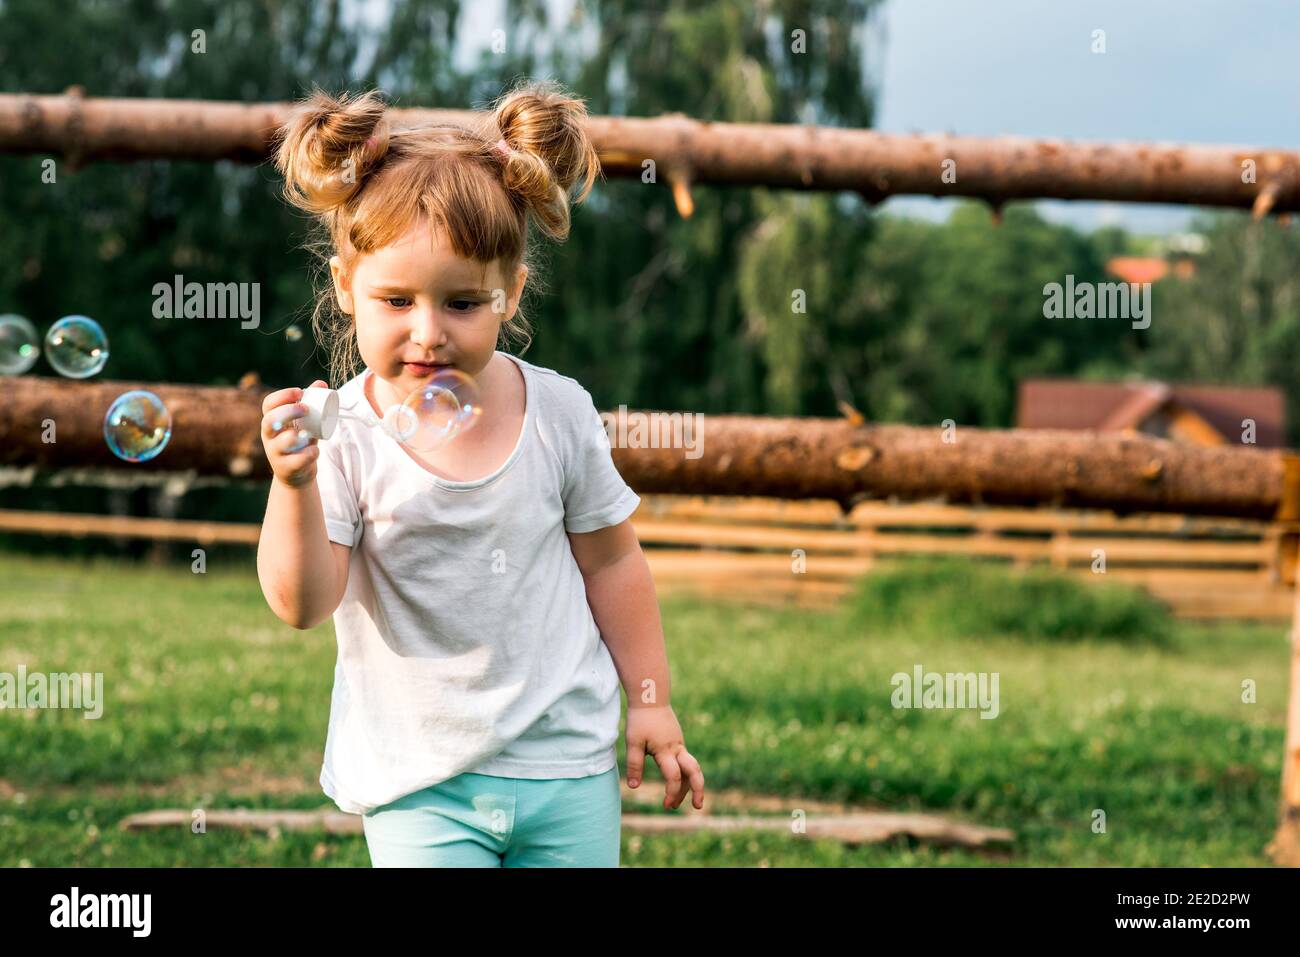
point(291, 452)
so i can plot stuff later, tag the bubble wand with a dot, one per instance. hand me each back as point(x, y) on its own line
point(430, 417)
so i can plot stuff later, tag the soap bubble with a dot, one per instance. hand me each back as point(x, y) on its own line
point(137, 426)
point(18, 345)
point(436, 412)
point(293, 333)
point(76, 346)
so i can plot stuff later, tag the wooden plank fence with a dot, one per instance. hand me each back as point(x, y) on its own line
point(808, 553)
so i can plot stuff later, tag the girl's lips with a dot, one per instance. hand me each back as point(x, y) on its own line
point(421, 368)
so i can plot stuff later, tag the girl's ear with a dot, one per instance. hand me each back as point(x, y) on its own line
point(521, 275)
point(342, 285)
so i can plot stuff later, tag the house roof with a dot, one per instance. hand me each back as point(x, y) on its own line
point(1072, 404)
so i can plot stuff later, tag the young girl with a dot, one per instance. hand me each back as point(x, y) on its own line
point(488, 596)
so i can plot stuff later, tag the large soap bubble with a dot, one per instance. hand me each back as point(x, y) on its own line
point(137, 426)
point(436, 412)
point(19, 345)
point(76, 346)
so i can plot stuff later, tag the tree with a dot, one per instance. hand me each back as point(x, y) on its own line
point(644, 302)
point(912, 321)
point(1236, 321)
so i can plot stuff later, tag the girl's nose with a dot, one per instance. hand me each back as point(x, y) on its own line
point(426, 331)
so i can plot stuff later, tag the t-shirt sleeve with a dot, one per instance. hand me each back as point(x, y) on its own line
point(595, 495)
point(337, 496)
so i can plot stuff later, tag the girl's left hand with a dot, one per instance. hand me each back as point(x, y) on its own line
point(654, 729)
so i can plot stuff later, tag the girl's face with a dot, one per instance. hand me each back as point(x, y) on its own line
point(417, 304)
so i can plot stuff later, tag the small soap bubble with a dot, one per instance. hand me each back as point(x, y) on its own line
point(293, 333)
point(76, 346)
point(137, 426)
point(436, 412)
point(19, 345)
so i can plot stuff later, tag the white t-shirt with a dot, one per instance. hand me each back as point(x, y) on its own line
point(465, 640)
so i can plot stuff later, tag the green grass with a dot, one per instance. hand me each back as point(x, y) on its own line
point(1104, 704)
point(954, 595)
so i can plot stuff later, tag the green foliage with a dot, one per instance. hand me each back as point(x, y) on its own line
point(907, 321)
point(98, 239)
point(1236, 321)
point(644, 305)
point(912, 321)
point(963, 597)
point(804, 308)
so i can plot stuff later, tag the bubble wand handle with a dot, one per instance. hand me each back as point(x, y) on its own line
point(322, 412)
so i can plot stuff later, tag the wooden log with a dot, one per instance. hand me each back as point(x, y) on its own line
point(755, 512)
point(1066, 550)
point(215, 432)
point(687, 152)
point(1285, 846)
point(866, 828)
point(245, 819)
point(835, 459)
point(214, 428)
point(130, 526)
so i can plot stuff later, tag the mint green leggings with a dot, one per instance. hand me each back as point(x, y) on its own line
point(481, 820)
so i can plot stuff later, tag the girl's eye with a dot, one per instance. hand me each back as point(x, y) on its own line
point(396, 301)
point(465, 302)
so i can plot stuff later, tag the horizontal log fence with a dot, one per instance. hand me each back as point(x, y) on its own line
point(688, 151)
point(215, 433)
point(750, 548)
point(810, 553)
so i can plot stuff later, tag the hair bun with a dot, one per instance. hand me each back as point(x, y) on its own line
point(545, 128)
point(328, 145)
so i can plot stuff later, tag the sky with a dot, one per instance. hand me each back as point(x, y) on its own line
point(1181, 71)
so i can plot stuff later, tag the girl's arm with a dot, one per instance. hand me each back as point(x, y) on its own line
point(303, 574)
point(621, 594)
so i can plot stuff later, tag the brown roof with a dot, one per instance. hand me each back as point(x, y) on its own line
point(1072, 404)
point(1225, 407)
point(1141, 401)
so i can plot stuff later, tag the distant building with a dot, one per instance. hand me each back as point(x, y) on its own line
point(1199, 415)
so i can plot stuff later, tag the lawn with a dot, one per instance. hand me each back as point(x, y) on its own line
point(1104, 705)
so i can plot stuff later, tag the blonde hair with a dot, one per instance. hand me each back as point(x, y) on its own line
point(368, 183)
